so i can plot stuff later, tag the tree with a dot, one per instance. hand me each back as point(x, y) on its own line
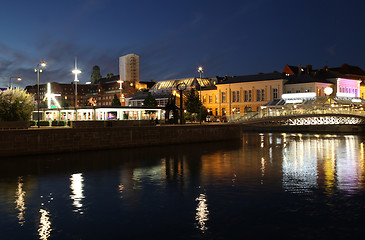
point(95, 75)
point(16, 105)
point(150, 101)
point(192, 104)
point(116, 102)
point(109, 75)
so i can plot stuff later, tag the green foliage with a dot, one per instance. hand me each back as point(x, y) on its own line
point(95, 75)
point(57, 123)
point(64, 103)
point(109, 75)
point(44, 123)
point(194, 106)
point(192, 102)
point(16, 105)
point(150, 101)
point(116, 102)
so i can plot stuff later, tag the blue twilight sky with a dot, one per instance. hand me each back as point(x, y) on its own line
point(172, 38)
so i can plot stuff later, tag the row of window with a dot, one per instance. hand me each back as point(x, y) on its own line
point(248, 96)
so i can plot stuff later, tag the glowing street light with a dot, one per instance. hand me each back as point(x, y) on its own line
point(121, 91)
point(200, 70)
point(76, 71)
point(18, 78)
point(38, 70)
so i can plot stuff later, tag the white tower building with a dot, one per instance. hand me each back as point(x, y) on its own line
point(129, 68)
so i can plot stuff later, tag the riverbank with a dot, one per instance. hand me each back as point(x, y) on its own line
point(52, 140)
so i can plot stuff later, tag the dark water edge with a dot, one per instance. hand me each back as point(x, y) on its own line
point(300, 186)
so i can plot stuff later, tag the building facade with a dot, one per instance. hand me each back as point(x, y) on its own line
point(129, 69)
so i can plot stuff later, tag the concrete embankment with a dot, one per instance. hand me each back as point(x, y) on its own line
point(53, 140)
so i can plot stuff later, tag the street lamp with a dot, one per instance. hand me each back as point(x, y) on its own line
point(181, 87)
point(76, 71)
point(121, 91)
point(200, 70)
point(18, 78)
point(38, 70)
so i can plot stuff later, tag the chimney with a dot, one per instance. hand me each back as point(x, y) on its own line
point(300, 69)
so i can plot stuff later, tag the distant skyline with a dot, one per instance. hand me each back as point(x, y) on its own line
point(174, 38)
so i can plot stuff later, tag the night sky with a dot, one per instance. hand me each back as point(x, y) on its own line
point(173, 38)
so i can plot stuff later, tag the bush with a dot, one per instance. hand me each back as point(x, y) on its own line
point(44, 123)
point(16, 105)
point(32, 123)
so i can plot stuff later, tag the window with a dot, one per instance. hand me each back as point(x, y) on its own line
point(258, 95)
point(262, 95)
point(275, 93)
point(210, 99)
point(223, 97)
point(297, 91)
point(204, 99)
point(246, 96)
point(238, 96)
point(216, 98)
point(233, 96)
point(249, 95)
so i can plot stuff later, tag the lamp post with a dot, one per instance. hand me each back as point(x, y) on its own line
point(18, 78)
point(181, 87)
point(38, 70)
point(121, 91)
point(76, 71)
point(200, 70)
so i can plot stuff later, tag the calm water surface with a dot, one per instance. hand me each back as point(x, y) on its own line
point(292, 186)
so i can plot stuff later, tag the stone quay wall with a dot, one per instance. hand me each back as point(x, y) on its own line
point(53, 140)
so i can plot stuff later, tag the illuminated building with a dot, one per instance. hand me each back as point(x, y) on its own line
point(129, 69)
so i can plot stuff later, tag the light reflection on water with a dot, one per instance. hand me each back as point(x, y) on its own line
point(202, 212)
point(77, 191)
point(20, 201)
point(44, 229)
point(127, 189)
point(307, 161)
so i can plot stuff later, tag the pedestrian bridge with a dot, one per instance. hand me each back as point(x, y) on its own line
point(298, 117)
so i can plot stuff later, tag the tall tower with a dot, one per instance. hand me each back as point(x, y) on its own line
point(129, 68)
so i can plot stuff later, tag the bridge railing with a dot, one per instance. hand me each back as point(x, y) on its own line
point(269, 113)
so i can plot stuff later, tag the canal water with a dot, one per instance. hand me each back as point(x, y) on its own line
point(292, 186)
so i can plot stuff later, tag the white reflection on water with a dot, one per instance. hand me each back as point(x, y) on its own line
point(20, 201)
point(300, 166)
point(202, 212)
point(77, 191)
point(334, 160)
point(44, 230)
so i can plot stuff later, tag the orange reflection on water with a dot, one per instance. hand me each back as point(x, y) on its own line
point(20, 201)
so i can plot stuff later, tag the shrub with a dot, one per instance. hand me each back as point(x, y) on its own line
point(44, 123)
point(16, 105)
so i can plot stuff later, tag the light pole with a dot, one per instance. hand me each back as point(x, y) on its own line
point(76, 71)
point(38, 70)
point(181, 87)
point(18, 78)
point(121, 99)
point(200, 70)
